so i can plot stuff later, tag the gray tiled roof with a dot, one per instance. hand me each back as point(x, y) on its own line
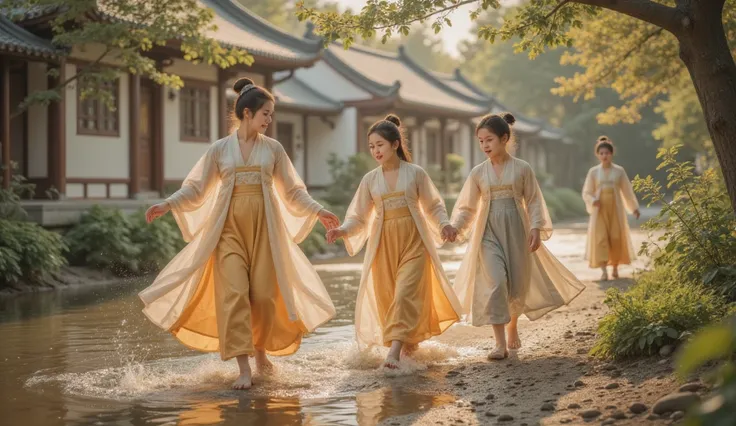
point(295, 93)
point(239, 27)
point(379, 70)
point(15, 39)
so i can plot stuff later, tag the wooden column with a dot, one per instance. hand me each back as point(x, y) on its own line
point(135, 133)
point(358, 130)
point(224, 120)
point(271, 131)
point(443, 154)
point(158, 134)
point(57, 133)
point(305, 148)
point(5, 118)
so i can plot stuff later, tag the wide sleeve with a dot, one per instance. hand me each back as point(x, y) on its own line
point(536, 207)
point(466, 207)
point(359, 218)
point(291, 188)
point(432, 204)
point(627, 193)
point(589, 191)
point(198, 184)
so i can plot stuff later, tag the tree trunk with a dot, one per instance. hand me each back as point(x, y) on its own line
point(705, 51)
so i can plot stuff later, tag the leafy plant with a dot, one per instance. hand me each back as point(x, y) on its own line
point(28, 252)
point(103, 239)
point(347, 175)
point(10, 207)
point(695, 230)
point(159, 241)
point(716, 343)
point(659, 310)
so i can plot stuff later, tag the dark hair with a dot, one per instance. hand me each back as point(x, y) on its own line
point(603, 142)
point(390, 129)
point(250, 97)
point(498, 124)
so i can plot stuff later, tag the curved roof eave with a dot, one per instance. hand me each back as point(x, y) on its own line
point(373, 87)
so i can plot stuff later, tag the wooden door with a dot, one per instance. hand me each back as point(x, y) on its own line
point(146, 139)
point(285, 135)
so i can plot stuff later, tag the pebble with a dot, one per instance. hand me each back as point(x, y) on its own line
point(666, 350)
point(637, 408)
point(677, 415)
point(678, 401)
point(590, 414)
point(565, 421)
point(582, 351)
point(691, 387)
point(548, 407)
point(505, 418)
point(608, 422)
point(490, 397)
point(652, 417)
point(615, 373)
point(573, 406)
point(491, 414)
point(612, 386)
point(618, 415)
point(611, 407)
point(578, 383)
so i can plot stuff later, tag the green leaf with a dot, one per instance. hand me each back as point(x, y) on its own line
point(712, 343)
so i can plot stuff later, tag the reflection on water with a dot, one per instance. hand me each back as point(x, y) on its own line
point(89, 356)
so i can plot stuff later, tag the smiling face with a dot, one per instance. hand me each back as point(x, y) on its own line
point(605, 156)
point(490, 143)
point(260, 121)
point(381, 149)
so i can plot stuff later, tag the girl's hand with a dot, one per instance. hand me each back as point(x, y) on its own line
point(534, 240)
point(156, 211)
point(597, 203)
point(637, 214)
point(328, 219)
point(449, 233)
point(334, 235)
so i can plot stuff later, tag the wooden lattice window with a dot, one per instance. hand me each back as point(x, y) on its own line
point(195, 102)
point(94, 117)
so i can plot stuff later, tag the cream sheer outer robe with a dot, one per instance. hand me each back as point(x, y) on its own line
point(200, 208)
point(552, 285)
point(625, 201)
point(363, 223)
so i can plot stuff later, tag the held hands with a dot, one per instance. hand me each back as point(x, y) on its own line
point(637, 214)
point(156, 211)
point(534, 240)
point(328, 219)
point(334, 235)
point(449, 233)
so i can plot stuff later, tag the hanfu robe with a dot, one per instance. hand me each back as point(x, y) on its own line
point(182, 297)
point(609, 236)
point(423, 304)
point(547, 285)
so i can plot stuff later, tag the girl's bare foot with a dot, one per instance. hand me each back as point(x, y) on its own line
point(392, 360)
point(391, 363)
point(512, 337)
point(498, 353)
point(615, 273)
point(263, 365)
point(244, 381)
point(604, 274)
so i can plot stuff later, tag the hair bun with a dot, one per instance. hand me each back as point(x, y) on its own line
point(508, 118)
point(242, 82)
point(603, 138)
point(394, 119)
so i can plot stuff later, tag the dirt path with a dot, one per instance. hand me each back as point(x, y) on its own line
point(551, 380)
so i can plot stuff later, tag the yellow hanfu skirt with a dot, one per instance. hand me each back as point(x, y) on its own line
point(411, 304)
point(609, 249)
point(242, 306)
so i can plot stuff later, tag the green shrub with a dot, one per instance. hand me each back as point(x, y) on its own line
point(554, 205)
point(102, 239)
point(715, 344)
point(315, 242)
point(28, 252)
point(346, 174)
point(158, 241)
point(696, 229)
point(658, 310)
point(572, 202)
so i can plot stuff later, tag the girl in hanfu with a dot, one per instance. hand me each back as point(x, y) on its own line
point(506, 271)
point(242, 286)
point(608, 195)
point(404, 296)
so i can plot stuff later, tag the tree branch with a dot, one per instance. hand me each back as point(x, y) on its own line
point(657, 14)
point(422, 18)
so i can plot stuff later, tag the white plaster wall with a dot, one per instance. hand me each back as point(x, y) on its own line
point(97, 156)
point(38, 130)
point(297, 121)
point(186, 69)
point(180, 156)
point(322, 140)
point(465, 143)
